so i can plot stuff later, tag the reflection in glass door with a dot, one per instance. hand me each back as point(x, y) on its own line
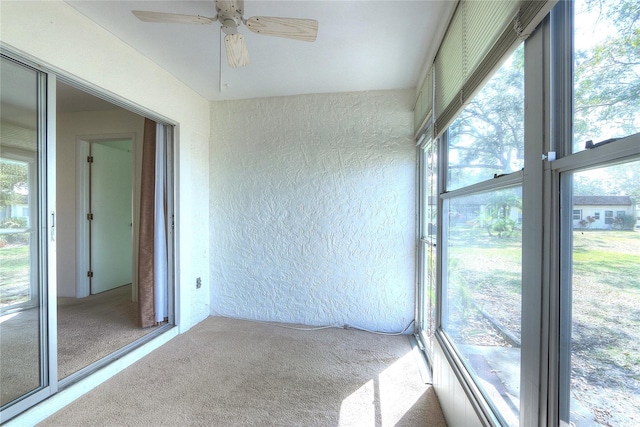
point(23, 237)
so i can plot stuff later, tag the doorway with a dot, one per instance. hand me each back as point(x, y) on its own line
point(100, 168)
point(105, 214)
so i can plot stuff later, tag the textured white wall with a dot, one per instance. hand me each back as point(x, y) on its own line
point(312, 209)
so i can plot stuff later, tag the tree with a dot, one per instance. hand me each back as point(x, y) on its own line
point(617, 180)
point(488, 135)
point(607, 73)
point(497, 215)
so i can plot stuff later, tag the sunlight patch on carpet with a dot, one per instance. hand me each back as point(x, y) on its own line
point(385, 399)
point(360, 407)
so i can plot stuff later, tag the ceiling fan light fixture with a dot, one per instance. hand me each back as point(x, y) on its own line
point(229, 26)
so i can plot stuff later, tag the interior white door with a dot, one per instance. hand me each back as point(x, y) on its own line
point(111, 225)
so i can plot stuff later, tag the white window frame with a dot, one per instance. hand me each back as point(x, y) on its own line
point(625, 149)
point(482, 407)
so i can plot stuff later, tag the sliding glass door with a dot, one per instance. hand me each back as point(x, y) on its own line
point(27, 239)
point(33, 346)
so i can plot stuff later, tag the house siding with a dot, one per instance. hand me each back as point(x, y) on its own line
point(600, 212)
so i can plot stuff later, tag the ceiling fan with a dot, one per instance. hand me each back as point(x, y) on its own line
point(230, 15)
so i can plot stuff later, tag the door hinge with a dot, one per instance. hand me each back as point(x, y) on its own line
point(89, 273)
point(89, 159)
point(89, 216)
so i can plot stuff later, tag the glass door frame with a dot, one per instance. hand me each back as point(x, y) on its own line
point(46, 251)
point(48, 78)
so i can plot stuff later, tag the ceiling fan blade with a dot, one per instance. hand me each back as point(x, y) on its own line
point(291, 28)
point(237, 53)
point(172, 18)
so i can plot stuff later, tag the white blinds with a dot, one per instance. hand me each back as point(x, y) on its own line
point(481, 33)
point(449, 63)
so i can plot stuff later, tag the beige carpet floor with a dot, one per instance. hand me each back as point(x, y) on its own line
point(93, 327)
point(19, 354)
point(226, 372)
point(88, 329)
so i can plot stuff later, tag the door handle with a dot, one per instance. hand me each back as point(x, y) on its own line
point(53, 226)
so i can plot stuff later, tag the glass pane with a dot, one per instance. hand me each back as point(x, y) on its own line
point(424, 191)
point(428, 227)
point(605, 298)
point(20, 355)
point(487, 138)
point(606, 70)
point(483, 290)
point(431, 235)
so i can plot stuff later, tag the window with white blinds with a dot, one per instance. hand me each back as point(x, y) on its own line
point(481, 33)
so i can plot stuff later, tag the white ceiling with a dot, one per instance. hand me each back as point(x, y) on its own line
point(361, 45)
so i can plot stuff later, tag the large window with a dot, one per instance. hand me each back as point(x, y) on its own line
point(482, 238)
point(599, 364)
point(483, 252)
point(538, 253)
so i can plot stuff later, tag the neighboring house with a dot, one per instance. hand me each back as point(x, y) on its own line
point(602, 212)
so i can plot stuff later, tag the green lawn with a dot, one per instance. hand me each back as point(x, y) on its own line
point(607, 258)
point(606, 305)
point(485, 273)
